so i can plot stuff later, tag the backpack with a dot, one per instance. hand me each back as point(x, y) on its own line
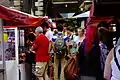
point(60, 45)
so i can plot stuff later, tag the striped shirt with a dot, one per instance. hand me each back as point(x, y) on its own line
point(59, 34)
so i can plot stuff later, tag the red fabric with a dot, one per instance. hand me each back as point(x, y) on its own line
point(91, 34)
point(41, 47)
point(16, 18)
point(96, 19)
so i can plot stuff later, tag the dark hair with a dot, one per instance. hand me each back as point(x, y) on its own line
point(83, 30)
point(60, 28)
point(103, 24)
point(70, 29)
point(102, 32)
point(45, 25)
point(76, 30)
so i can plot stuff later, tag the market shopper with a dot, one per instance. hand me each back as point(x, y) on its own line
point(70, 34)
point(59, 57)
point(81, 36)
point(108, 34)
point(30, 37)
point(72, 45)
point(112, 65)
point(89, 55)
point(49, 35)
point(103, 33)
point(41, 47)
point(64, 30)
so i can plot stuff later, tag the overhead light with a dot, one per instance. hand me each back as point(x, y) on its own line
point(66, 5)
point(113, 24)
point(87, 1)
point(12, 7)
point(81, 9)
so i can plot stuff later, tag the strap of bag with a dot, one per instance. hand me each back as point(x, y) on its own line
point(115, 58)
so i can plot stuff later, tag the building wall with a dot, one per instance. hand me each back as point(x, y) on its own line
point(16, 4)
point(39, 8)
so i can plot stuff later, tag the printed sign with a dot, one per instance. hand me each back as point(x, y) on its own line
point(9, 44)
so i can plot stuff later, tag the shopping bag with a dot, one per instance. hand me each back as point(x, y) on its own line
point(71, 70)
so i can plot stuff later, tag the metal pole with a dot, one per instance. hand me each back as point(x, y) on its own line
point(46, 6)
point(2, 43)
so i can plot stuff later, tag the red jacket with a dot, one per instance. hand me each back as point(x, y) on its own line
point(41, 47)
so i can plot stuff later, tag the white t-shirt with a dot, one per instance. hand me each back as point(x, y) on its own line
point(77, 40)
point(49, 35)
point(115, 70)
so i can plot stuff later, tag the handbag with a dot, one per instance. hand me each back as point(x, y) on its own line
point(71, 70)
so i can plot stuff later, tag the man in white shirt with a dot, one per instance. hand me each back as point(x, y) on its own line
point(49, 34)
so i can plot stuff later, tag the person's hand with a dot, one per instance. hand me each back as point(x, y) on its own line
point(32, 51)
point(67, 57)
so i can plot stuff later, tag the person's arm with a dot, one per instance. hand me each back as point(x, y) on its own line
point(53, 47)
point(68, 49)
point(32, 49)
point(107, 70)
point(35, 45)
point(50, 40)
point(52, 44)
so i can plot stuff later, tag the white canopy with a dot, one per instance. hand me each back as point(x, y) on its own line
point(86, 14)
point(67, 15)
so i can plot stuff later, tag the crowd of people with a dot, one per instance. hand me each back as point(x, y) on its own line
point(58, 46)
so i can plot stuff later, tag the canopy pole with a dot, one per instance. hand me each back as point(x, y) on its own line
point(3, 54)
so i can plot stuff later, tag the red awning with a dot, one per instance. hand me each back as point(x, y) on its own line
point(16, 18)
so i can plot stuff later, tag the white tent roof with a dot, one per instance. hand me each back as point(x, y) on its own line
point(67, 15)
point(86, 14)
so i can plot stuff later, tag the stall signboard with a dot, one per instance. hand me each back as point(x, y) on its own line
point(9, 44)
point(1, 51)
point(1, 47)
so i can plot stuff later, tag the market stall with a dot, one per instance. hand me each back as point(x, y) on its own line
point(13, 34)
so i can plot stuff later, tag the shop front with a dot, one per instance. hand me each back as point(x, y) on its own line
point(14, 27)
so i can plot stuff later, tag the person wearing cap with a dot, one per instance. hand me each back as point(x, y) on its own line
point(41, 47)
